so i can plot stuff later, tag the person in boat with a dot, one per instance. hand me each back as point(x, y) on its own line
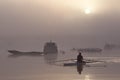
point(79, 58)
point(79, 63)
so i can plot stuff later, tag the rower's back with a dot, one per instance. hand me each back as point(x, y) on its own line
point(80, 58)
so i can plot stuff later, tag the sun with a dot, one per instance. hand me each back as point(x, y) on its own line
point(87, 11)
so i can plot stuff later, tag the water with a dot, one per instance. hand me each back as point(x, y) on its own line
point(38, 68)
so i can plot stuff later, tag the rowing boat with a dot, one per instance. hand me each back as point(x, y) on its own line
point(75, 63)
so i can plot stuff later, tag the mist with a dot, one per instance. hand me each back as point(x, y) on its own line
point(58, 18)
point(27, 25)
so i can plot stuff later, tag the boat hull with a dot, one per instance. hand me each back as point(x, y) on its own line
point(74, 64)
point(15, 52)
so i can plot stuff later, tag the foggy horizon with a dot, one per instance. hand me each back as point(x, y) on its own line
point(91, 27)
point(59, 18)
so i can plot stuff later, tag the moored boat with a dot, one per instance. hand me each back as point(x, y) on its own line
point(50, 47)
point(15, 52)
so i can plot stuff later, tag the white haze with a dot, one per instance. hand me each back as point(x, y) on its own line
point(59, 18)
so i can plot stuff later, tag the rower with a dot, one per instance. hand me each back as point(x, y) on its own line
point(79, 63)
point(79, 58)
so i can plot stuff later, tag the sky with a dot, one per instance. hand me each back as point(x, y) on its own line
point(59, 17)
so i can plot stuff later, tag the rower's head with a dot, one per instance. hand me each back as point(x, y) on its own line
point(79, 53)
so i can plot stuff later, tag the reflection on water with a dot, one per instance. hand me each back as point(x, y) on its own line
point(41, 68)
point(50, 57)
point(79, 68)
point(87, 77)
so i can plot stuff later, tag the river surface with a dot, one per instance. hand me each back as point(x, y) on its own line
point(39, 68)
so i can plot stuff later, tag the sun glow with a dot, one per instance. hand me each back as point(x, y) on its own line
point(83, 6)
point(87, 11)
point(71, 8)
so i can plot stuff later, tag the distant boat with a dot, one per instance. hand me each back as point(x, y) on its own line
point(14, 51)
point(32, 53)
point(89, 50)
point(50, 47)
point(111, 46)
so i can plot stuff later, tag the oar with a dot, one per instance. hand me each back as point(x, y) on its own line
point(65, 60)
point(86, 60)
point(92, 60)
point(95, 66)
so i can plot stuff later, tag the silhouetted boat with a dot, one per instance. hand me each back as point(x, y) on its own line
point(74, 64)
point(14, 51)
point(89, 50)
point(50, 47)
point(32, 53)
point(111, 46)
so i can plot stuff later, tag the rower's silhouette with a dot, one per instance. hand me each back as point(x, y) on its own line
point(80, 63)
point(79, 58)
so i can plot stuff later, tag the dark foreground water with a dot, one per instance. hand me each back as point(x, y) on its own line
point(38, 67)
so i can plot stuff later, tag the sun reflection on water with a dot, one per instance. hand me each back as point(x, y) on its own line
point(87, 77)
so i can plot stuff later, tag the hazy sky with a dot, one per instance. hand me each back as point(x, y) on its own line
point(59, 17)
